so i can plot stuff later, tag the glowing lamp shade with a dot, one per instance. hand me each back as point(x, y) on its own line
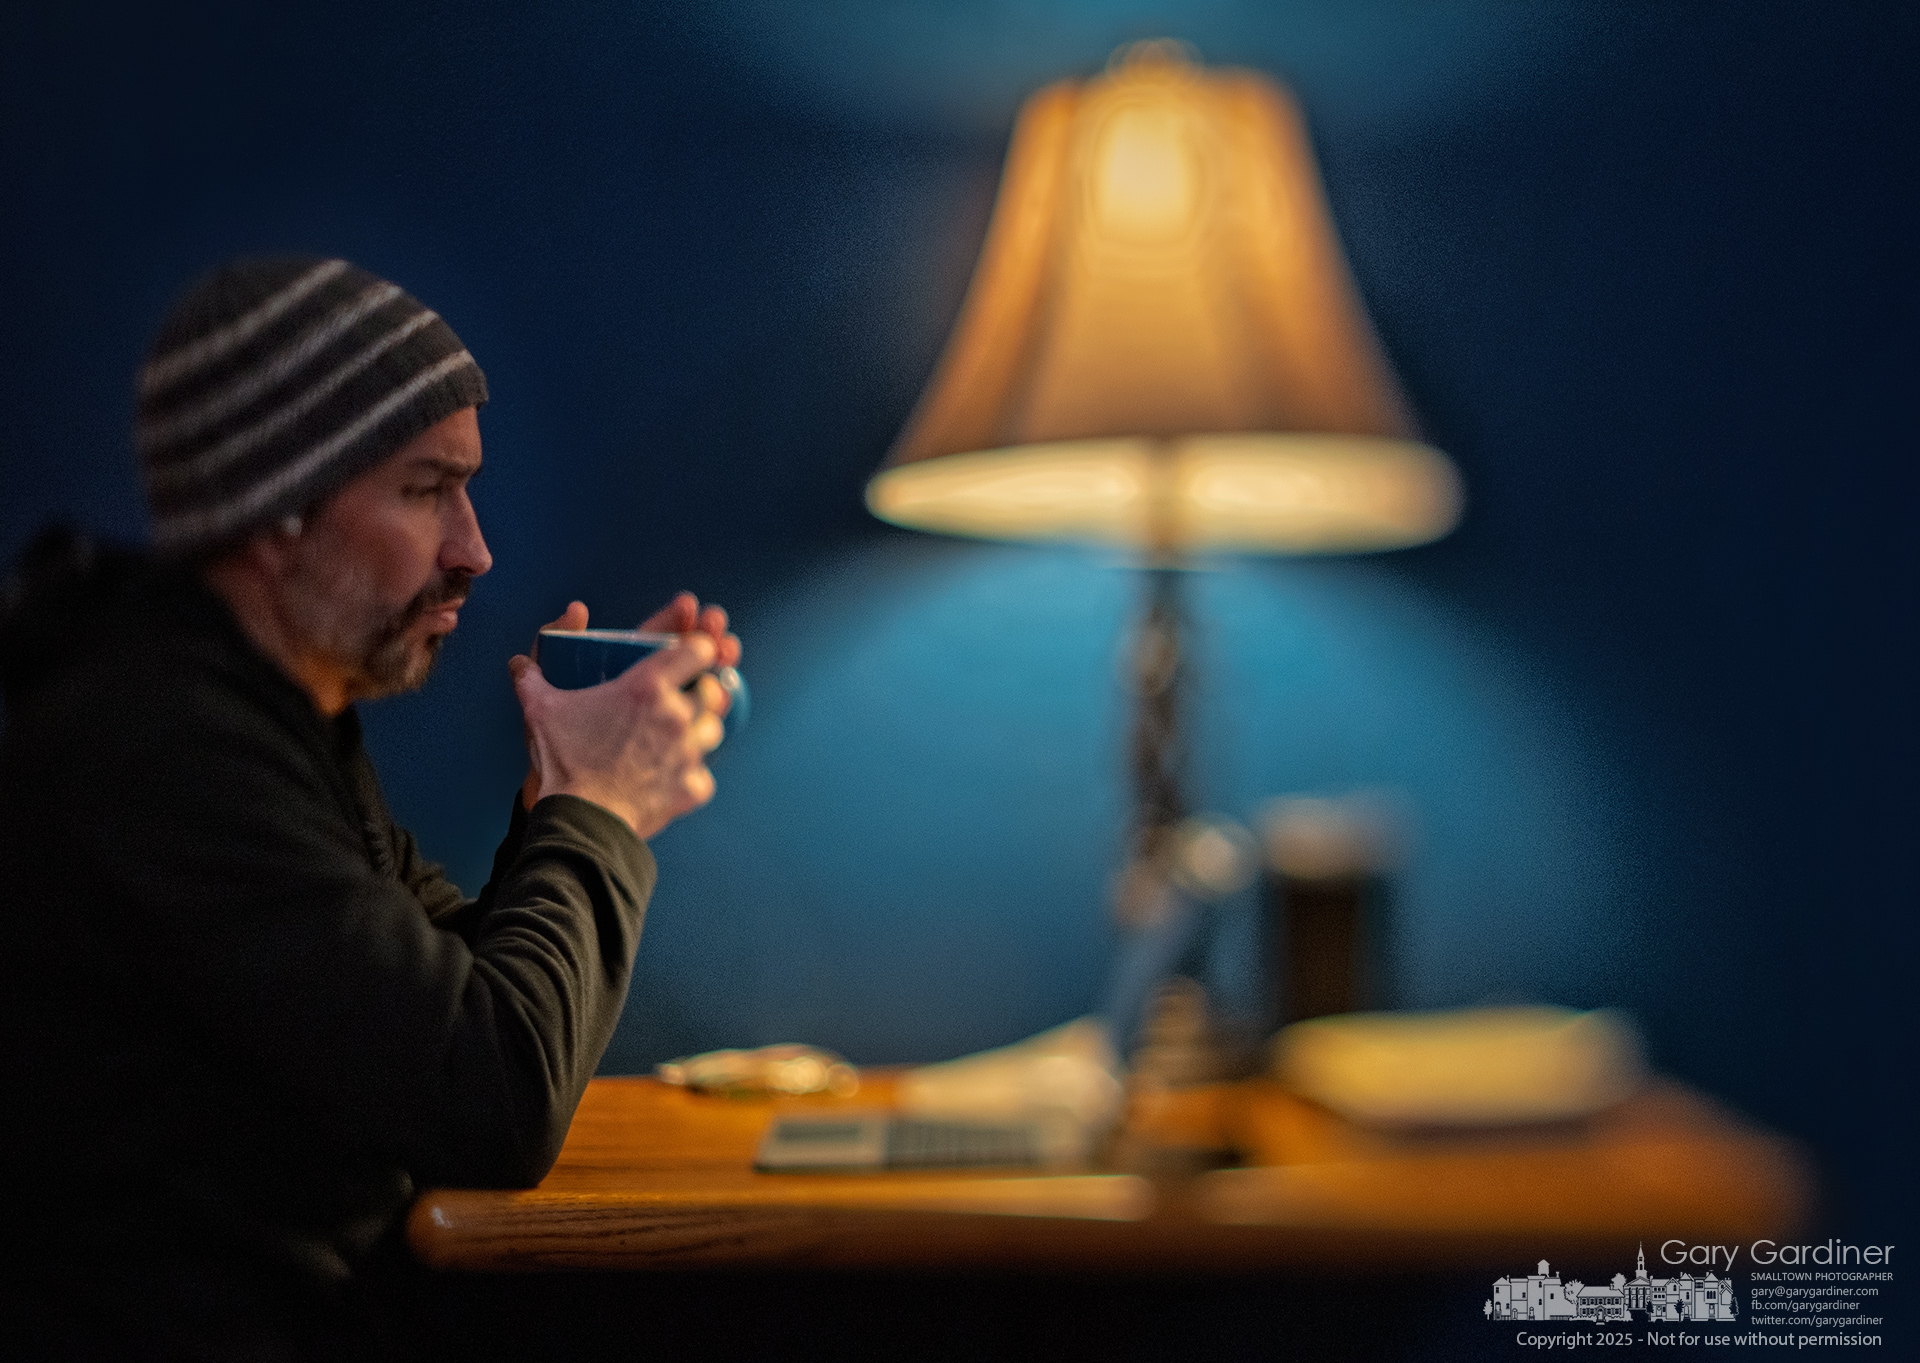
point(1162, 347)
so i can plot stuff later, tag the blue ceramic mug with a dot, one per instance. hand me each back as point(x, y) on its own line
point(573, 658)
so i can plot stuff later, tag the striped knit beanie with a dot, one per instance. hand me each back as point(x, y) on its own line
point(275, 382)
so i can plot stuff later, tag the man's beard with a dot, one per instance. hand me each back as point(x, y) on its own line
point(336, 612)
point(391, 666)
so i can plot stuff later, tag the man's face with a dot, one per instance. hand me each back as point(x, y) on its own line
point(377, 576)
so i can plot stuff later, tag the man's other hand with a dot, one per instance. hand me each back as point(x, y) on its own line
point(635, 745)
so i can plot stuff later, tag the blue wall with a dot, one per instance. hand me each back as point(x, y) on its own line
point(1647, 273)
point(910, 854)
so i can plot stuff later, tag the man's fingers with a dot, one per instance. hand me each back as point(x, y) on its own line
point(528, 680)
point(573, 617)
point(685, 615)
point(714, 698)
point(713, 622)
point(699, 785)
point(676, 617)
point(706, 731)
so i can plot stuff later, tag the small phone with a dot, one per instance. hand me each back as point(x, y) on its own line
point(880, 1140)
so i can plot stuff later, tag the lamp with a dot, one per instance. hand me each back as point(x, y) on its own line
point(1162, 350)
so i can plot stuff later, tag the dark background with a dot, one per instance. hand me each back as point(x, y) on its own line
point(1647, 272)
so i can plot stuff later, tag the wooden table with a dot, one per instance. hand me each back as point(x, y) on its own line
point(653, 1177)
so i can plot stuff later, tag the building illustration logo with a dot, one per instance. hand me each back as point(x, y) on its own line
point(1542, 1296)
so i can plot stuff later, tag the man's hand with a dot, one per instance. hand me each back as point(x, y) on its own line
point(635, 745)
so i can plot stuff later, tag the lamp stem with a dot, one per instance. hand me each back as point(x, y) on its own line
point(1159, 751)
point(1143, 895)
point(1158, 746)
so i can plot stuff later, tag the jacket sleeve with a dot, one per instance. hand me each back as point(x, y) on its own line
point(245, 894)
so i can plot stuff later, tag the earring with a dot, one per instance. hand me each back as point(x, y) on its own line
point(291, 526)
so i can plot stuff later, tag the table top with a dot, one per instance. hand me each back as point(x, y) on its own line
point(655, 1177)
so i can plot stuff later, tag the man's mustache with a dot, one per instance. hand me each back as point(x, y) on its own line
point(455, 585)
point(452, 589)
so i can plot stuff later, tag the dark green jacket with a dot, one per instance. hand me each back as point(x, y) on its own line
point(244, 1018)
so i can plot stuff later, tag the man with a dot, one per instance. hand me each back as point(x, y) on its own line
point(244, 1018)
